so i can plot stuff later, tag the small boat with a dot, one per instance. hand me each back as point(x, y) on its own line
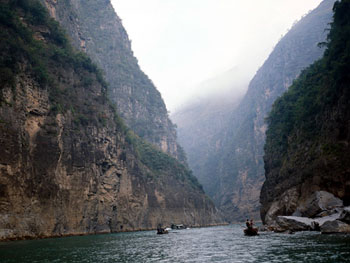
point(181, 226)
point(161, 231)
point(251, 232)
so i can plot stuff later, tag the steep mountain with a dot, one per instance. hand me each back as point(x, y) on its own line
point(68, 164)
point(307, 142)
point(204, 117)
point(233, 170)
point(95, 29)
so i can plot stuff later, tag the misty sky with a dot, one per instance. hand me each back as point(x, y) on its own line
point(182, 43)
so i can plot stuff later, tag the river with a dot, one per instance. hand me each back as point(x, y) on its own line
point(214, 244)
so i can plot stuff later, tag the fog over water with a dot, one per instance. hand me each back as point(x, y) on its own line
point(181, 44)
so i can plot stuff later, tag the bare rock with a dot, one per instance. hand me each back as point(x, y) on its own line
point(293, 223)
point(345, 215)
point(336, 226)
point(296, 223)
point(285, 205)
point(318, 203)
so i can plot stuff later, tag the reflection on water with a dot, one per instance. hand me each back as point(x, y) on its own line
point(215, 244)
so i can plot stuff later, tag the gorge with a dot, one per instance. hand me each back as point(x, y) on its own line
point(87, 145)
point(231, 166)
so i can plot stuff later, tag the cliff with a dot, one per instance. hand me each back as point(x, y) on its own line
point(201, 120)
point(68, 163)
point(95, 29)
point(232, 171)
point(307, 145)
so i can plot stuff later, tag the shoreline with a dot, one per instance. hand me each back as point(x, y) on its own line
point(40, 237)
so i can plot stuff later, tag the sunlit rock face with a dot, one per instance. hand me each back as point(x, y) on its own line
point(68, 165)
point(232, 168)
point(95, 28)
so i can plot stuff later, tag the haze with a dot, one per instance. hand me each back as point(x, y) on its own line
point(180, 44)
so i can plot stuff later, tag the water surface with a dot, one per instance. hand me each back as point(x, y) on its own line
point(214, 244)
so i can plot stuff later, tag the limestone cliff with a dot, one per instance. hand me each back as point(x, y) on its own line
point(95, 29)
point(232, 172)
point(68, 164)
point(307, 145)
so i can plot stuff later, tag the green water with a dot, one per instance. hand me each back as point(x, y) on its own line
point(215, 244)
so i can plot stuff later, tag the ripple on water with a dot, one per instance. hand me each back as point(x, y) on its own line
point(216, 244)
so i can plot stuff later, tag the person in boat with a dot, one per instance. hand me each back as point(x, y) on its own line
point(247, 223)
point(161, 230)
point(250, 230)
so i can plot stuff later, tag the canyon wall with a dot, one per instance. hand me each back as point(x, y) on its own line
point(68, 163)
point(307, 145)
point(95, 28)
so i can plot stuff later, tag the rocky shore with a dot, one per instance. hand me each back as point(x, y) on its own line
point(322, 211)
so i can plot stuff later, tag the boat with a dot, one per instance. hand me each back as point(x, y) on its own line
point(161, 231)
point(251, 232)
point(181, 226)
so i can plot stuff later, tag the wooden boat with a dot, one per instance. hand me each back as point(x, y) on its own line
point(251, 232)
point(162, 231)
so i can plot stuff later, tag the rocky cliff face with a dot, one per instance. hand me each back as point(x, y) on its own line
point(95, 29)
point(296, 50)
point(68, 164)
point(307, 146)
point(233, 171)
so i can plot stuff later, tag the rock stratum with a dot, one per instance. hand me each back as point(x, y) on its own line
point(68, 163)
point(307, 146)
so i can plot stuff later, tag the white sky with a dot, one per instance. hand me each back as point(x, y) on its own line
point(182, 43)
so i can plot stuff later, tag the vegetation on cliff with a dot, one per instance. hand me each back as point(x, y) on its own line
point(318, 88)
point(21, 44)
point(68, 163)
point(95, 28)
point(307, 143)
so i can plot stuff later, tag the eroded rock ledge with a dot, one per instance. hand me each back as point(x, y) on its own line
point(320, 212)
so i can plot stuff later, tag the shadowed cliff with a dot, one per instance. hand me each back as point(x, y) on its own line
point(307, 145)
point(68, 163)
